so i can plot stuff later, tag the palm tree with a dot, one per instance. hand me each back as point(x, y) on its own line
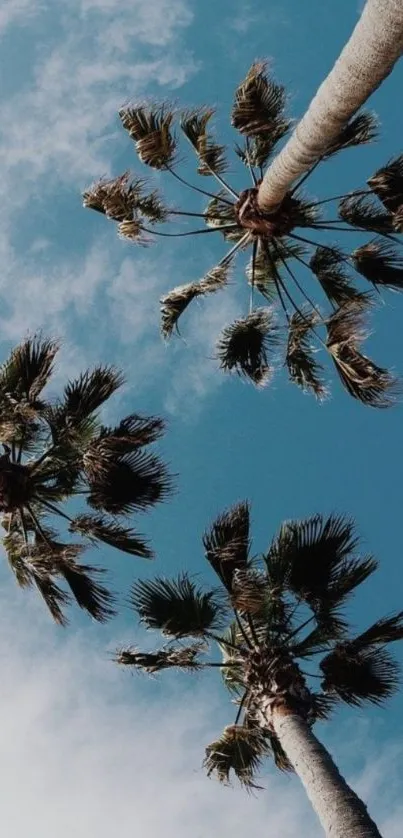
point(57, 450)
point(368, 57)
point(288, 657)
point(287, 319)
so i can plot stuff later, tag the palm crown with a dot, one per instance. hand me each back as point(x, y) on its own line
point(249, 345)
point(272, 617)
point(56, 451)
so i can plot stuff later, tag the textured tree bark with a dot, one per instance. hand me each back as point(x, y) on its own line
point(340, 811)
point(368, 57)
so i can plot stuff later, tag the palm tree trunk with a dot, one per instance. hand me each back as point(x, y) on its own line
point(368, 57)
point(341, 813)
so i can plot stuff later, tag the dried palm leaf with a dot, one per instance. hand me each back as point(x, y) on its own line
point(387, 183)
point(184, 658)
point(362, 378)
point(150, 128)
point(302, 367)
point(379, 262)
point(239, 749)
point(220, 214)
point(211, 155)
point(175, 303)
point(360, 211)
point(361, 129)
point(259, 106)
point(243, 346)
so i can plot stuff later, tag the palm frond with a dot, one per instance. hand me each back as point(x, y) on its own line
point(150, 126)
point(262, 273)
point(85, 395)
point(379, 262)
point(175, 303)
point(227, 544)
point(28, 369)
point(112, 533)
point(128, 482)
point(211, 155)
point(259, 148)
point(55, 599)
point(302, 367)
point(357, 677)
point(240, 749)
point(177, 607)
point(361, 129)
point(323, 706)
point(321, 569)
point(184, 658)
point(132, 230)
point(134, 431)
point(232, 676)
point(362, 212)
point(222, 214)
point(244, 345)
point(249, 591)
point(362, 378)
point(276, 750)
point(398, 220)
point(387, 183)
point(92, 597)
point(116, 198)
point(385, 630)
point(258, 113)
point(152, 207)
point(328, 267)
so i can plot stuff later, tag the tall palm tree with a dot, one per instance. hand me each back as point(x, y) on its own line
point(56, 451)
point(283, 315)
point(368, 57)
point(288, 654)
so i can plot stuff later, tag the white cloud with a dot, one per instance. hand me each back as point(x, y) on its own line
point(16, 11)
point(86, 750)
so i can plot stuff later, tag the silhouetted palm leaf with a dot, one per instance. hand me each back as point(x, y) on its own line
point(184, 658)
point(360, 211)
point(361, 129)
point(240, 749)
point(82, 397)
point(132, 481)
point(88, 594)
point(222, 214)
point(244, 345)
point(398, 220)
point(211, 155)
point(113, 533)
point(28, 368)
point(150, 128)
point(362, 378)
point(178, 607)
point(328, 266)
point(227, 544)
point(358, 677)
point(387, 183)
point(385, 630)
point(302, 367)
point(379, 262)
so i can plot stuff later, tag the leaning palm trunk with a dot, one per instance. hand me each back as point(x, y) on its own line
point(366, 60)
point(341, 813)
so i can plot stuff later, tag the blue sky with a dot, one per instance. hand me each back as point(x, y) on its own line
point(79, 736)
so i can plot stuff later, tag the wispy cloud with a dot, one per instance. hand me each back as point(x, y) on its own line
point(86, 750)
point(16, 11)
